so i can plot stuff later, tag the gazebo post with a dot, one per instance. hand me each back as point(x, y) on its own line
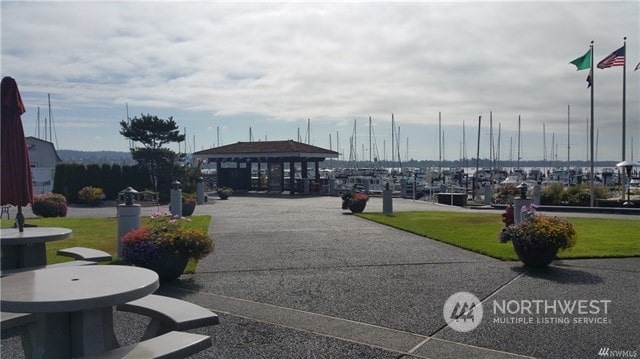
point(218, 173)
point(282, 175)
point(292, 177)
point(258, 184)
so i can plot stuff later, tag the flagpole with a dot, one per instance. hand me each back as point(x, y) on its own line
point(624, 100)
point(592, 200)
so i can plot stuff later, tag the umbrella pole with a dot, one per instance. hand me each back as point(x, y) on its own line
point(20, 219)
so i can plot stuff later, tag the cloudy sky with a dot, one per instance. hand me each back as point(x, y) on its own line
point(226, 70)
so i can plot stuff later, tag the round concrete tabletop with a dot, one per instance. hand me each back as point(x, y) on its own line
point(70, 289)
point(11, 236)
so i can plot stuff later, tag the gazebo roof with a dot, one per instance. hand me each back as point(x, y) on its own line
point(272, 149)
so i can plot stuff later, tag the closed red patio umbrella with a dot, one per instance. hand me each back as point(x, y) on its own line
point(16, 182)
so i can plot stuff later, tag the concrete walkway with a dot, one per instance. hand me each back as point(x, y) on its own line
point(300, 278)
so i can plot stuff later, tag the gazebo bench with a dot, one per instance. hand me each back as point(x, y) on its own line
point(84, 253)
point(169, 314)
point(169, 345)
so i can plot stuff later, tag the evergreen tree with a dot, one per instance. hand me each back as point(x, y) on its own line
point(153, 133)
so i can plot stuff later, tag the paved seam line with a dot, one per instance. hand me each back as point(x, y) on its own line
point(412, 350)
point(333, 327)
point(363, 333)
point(476, 347)
point(340, 266)
point(483, 300)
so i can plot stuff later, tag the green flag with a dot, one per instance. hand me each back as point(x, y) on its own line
point(583, 62)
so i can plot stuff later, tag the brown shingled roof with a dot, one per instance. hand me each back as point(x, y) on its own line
point(267, 147)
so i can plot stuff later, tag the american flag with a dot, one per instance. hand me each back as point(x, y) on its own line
point(615, 59)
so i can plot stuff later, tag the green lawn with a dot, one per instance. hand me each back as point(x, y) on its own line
point(478, 232)
point(98, 233)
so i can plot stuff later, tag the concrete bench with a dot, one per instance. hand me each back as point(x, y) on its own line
point(63, 264)
point(170, 345)
point(22, 321)
point(13, 320)
point(88, 254)
point(169, 314)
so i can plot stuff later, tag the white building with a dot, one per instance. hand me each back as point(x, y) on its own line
point(43, 158)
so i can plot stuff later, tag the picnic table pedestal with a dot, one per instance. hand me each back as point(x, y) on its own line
point(74, 306)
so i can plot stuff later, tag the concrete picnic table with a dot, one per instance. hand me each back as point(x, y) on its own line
point(27, 249)
point(73, 305)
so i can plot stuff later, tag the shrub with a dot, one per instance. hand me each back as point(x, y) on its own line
point(578, 195)
point(91, 195)
point(552, 194)
point(506, 193)
point(49, 205)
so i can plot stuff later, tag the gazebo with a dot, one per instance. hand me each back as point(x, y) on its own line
point(236, 162)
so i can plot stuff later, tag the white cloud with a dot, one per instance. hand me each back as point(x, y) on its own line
point(328, 61)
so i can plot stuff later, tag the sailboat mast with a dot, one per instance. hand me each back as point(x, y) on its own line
point(393, 135)
point(544, 147)
point(464, 147)
point(491, 149)
point(569, 141)
point(518, 142)
point(50, 119)
point(38, 122)
point(499, 141)
point(475, 177)
point(338, 145)
point(439, 144)
point(370, 148)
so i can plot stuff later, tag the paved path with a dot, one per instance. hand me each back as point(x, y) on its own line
point(299, 278)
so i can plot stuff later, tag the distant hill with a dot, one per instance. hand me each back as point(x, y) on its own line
point(96, 157)
point(124, 158)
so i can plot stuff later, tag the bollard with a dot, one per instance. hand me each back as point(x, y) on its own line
point(536, 194)
point(176, 199)
point(403, 188)
point(128, 216)
point(387, 200)
point(521, 202)
point(487, 194)
point(332, 187)
point(200, 190)
point(305, 185)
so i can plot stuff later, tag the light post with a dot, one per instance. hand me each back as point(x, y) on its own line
point(627, 166)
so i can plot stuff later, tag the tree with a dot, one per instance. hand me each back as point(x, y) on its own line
point(153, 132)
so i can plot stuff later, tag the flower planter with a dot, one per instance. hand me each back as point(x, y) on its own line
point(165, 245)
point(224, 194)
point(169, 266)
point(537, 257)
point(188, 208)
point(357, 206)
